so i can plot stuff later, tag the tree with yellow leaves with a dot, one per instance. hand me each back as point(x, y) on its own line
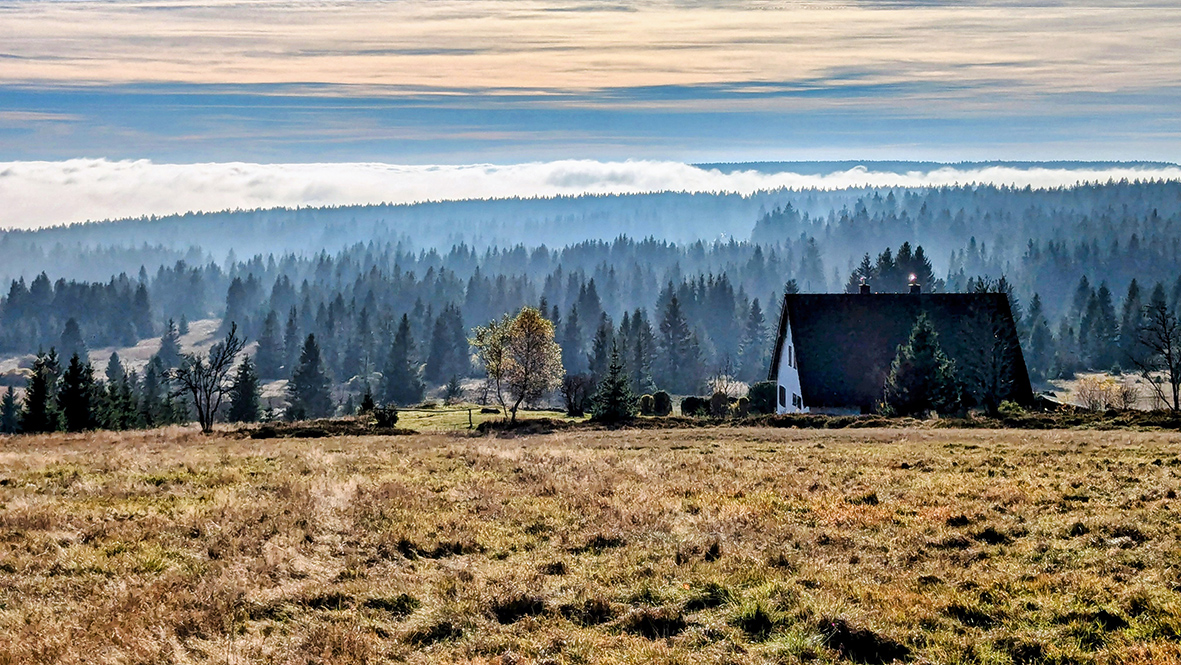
point(520, 357)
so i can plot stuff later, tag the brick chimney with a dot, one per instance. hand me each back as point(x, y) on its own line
point(864, 288)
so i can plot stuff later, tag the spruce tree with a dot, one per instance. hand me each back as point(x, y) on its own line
point(115, 371)
point(1131, 321)
point(602, 346)
point(448, 349)
point(71, 341)
point(921, 377)
point(400, 382)
point(571, 342)
point(680, 351)
point(367, 402)
point(291, 343)
point(141, 312)
point(9, 412)
point(752, 353)
point(614, 402)
point(268, 358)
point(308, 390)
point(153, 409)
point(40, 411)
point(169, 353)
point(74, 397)
point(244, 394)
point(1039, 347)
point(643, 346)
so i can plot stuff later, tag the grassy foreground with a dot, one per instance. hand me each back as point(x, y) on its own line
point(722, 545)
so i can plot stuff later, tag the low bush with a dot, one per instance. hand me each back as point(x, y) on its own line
point(662, 403)
point(647, 405)
point(762, 397)
point(693, 406)
point(719, 405)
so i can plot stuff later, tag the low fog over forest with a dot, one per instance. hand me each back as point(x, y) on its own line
point(687, 284)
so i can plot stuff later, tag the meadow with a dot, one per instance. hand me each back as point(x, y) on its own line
point(707, 545)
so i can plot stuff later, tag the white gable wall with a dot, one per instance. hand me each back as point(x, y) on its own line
point(789, 397)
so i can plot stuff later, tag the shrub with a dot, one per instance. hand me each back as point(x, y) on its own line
point(719, 405)
point(1009, 409)
point(386, 416)
point(762, 397)
point(694, 406)
point(662, 404)
point(742, 407)
point(647, 405)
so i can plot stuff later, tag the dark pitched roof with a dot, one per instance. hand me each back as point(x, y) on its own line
point(846, 342)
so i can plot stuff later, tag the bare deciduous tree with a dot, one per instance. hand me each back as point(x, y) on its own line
point(1160, 364)
point(207, 380)
point(576, 392)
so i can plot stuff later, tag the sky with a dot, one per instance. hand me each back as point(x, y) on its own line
point(462, 82)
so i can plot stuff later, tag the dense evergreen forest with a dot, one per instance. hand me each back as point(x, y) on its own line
point(686, 285)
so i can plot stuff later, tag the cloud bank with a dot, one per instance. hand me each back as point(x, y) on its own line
point(39, 194)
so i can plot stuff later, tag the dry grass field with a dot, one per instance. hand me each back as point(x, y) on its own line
point(722, 545)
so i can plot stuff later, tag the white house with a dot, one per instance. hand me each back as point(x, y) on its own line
point(833, 350)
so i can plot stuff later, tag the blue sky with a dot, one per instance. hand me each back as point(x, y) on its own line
point(504, 81)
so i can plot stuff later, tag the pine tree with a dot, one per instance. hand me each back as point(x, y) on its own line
point(614, 402)
point(9, 413)
point(308, 390)
point(244, 394)
point(74, 397)
point(169, 353)
point(40, 410)
point(921, 377)
point(268, 357)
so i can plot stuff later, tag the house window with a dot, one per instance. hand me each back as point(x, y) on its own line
point(797, 401)
point(791, 361)
point(782, 396)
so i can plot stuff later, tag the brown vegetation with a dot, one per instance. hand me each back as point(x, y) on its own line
point(735, 545)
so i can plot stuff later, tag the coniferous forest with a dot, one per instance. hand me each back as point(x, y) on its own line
point(672, 290)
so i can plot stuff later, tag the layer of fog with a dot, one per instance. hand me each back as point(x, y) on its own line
point(39, 194)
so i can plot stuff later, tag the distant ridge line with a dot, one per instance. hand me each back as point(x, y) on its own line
point(902, 167)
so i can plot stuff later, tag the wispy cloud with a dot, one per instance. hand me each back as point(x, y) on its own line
point(511, 80)
point(45, 193)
